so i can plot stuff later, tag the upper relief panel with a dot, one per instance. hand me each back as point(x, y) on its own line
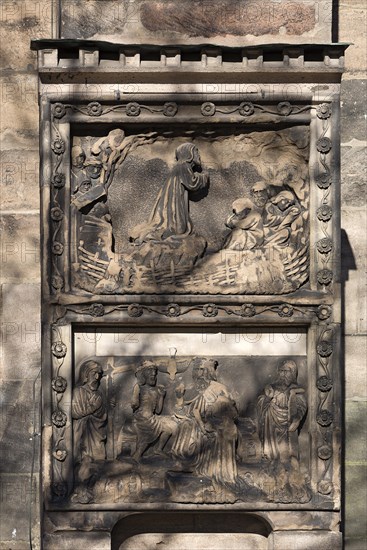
point(202, 212)
point(191, 21)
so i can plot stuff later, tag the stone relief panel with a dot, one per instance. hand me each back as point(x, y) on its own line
point(194, 212)
point(151, 423)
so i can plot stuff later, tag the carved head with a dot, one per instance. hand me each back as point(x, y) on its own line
point(242, 207)
point(77, 156)
point(90, 374)
point(205, 373)
point(259, 193)
point(188, 152)
point(211, 365)
point(115, 138)
point(283, 200)
point(287, 373)
point(146, 373)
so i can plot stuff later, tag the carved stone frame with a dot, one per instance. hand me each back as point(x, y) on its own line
point(305, 89)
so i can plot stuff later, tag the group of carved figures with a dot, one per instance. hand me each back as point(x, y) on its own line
point(272, 218)
point(200, 436)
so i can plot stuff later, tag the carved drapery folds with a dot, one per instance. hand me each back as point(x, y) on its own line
point(189, 208)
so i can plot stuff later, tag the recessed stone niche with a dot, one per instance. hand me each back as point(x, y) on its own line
point(191, 295)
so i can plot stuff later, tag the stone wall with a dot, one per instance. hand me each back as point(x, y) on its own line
point(22, 20)
point(352, 24)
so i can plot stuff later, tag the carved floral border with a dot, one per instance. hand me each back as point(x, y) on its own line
point(207, 310)
point(324, 212)
point(324, 412)
point(59, 418)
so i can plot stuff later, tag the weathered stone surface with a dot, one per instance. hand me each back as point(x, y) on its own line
point(223, 21)
point(353, 121)
point(19, 179)
point(355, 366)
point(19, 510)
point(19, 109)
point(356, 505)
point(352, 28)
point(19, 23)
point(84, 20)
point(20, 248)
point(306, 540)
point(238, 18)
point(20, 428)
point(77, 540)
point(356, 431)
point(354, 224)
point(353, 175)
point(21, 331)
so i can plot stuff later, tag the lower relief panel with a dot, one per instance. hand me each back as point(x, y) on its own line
point(191, 418)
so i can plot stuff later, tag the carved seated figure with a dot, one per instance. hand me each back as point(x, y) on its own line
point(246, 224)
point(282, 220)
point(207, 432)
point(147, 405)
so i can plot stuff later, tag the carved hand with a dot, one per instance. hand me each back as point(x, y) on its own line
point(293, 426)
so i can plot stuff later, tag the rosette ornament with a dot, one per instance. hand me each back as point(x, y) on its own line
point(58, 110)
point(96, 310)
point(170, 109)
point(284, 108)
point(59, 384)
point(324, 418)
point(59, 419)
point(58, 146)
point(247, 310)
point(324, 312)
point(173, 310)
point(57, 248)
point(210, 310)
point(324, 213)
point(323, 145)
point(57, 214)
point(324, 383)
point(324, 246)
point(59, 349)
point(325, 452)
point(246, 108)
point(58, 180)
point(323, 180)
point(94, 108)
point(323, 110)
point(325, 276)
point(324, 348)
point(285, 310)
point(135, 310)
point(208, 108)
point(133, 109)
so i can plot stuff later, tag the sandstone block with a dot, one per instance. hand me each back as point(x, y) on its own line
point(20, 425)
point(307, 540)
point(353, 122)
point(21, 331)
point(19, 173)
point(20, 248)
point(355, 367)
point(77, 540)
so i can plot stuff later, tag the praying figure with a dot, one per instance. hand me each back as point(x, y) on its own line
point(89, 413)
point(170, 219)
